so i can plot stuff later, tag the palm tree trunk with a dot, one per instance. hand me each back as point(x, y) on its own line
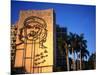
point(80, 61)
point(73, 59)
point(77, 66)
point(67, 59)
point(74, 62)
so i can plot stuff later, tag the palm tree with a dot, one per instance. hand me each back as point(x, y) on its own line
point(67, 57)
point(77, 50)
point(82, 46)
point(66, 46)
point(92, 61)
point(73, 43)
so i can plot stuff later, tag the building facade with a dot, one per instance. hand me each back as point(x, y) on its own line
point(34, 42)
point(13, 44)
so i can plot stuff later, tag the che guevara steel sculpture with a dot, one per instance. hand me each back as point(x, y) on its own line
point(34, 30)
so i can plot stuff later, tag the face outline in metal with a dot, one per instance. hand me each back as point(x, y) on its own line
point(35, 27)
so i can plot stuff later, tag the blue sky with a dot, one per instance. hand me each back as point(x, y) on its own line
point(77, 18)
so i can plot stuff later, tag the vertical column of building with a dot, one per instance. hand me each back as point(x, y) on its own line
point(13, 45)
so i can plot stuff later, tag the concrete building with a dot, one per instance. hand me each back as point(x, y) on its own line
point(60, 63)
point(34, 42)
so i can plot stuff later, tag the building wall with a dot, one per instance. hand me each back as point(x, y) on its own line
point(61, 34)
point(13, 44)
point(34, 41)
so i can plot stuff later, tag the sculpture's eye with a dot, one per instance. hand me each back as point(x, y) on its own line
point(36, 28)
point(28, 26)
